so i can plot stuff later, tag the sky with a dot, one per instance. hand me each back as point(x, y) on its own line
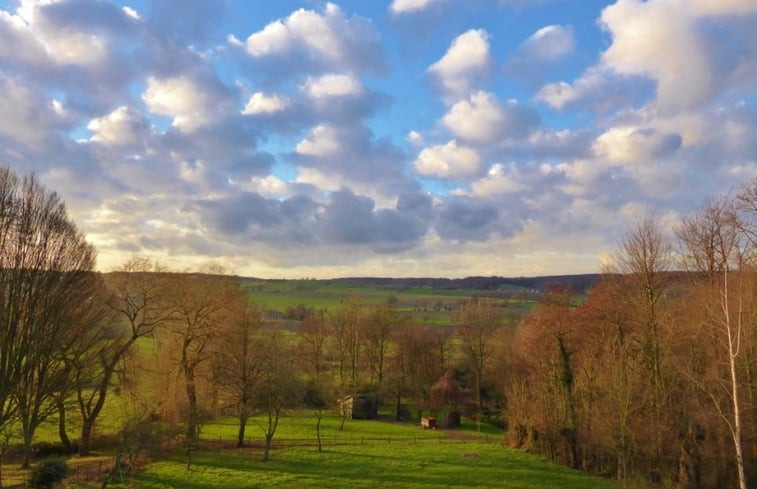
point(405, 138)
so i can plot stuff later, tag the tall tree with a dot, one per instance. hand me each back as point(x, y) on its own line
point(138, 303)
point(346, 324)
point(237, 360)
point(475, 322)
point(314, 338)
point(714, 244)
point(44, 263)
point(645, 257)
point(381, 323)
point(279, 387)
point(200, 303)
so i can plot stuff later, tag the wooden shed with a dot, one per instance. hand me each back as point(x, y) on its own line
point(359, 406)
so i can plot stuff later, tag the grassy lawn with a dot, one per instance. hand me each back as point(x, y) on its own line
point(429, 464)
point(367, 453)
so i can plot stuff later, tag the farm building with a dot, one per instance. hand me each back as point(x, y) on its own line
point(359, 406)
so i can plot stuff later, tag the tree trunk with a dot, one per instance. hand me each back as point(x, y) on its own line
point(398, 406)
point(192, 434)
point(318, 417)
point(27, 449)
point(86, 438)
point(267, 447)
point(240, 434)
point(64, 440)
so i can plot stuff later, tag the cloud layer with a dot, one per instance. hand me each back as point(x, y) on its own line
point(330, 141)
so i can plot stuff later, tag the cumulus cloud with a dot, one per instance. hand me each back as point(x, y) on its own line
point(262, 103)
point(465, 62)
point(549, 43)
point(332, 85)
point(322, 141)
point(415, 138)
point(351, 155)
point(498, 181)
point(629, 145)
point(328, 40)
point(188, 102)
point(343, 219)
point(465, 219)
point(658, 40)
point(399, 7)
point(25, 116)
point(123, 126)
point(448, 161)
point(481, 118)
point(598, 90)
point(690, 55)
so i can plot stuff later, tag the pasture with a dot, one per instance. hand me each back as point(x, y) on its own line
point(423, 304)
point(367, 453)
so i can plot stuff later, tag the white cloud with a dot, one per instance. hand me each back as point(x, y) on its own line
point(181, 99)
point(659, 39)
point(498, 181)
point(633, 145)
point(270, 186)
point(483, 119)
point(330, 37)
point(467, 59)
point(562, 94)
point(20, 112)
point(549, 43)
point(322, 141)
point(478, 119)
point(131, 12)
point(415, 138)
point(723, 7)
point(123, 126)
point(332, 85)
point(261, 103)
point(448, 161)
point(408, 6)
point(274, 38)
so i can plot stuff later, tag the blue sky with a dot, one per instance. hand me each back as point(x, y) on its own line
point(394, 138)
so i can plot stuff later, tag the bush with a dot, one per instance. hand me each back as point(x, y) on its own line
point(48, 473)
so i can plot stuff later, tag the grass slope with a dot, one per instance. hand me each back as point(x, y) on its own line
point(419, 465)
point(365, 454)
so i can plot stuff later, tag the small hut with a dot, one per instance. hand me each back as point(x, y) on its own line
point(359, 406)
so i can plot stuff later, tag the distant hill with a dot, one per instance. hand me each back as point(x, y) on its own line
point(578, 283)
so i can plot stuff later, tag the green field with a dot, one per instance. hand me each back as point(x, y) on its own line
point(365, 454)
point(424, 305)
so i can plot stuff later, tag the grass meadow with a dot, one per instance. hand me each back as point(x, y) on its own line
point(365, 454)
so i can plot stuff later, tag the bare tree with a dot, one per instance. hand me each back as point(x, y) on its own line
point(278, 388)
point(200, 303)
point(475, 322)
point(44, 261)
point(236, 360)
point(381, 323)
point(314, 336)
point(713, 244)
point(346, 325)
point(137, 293)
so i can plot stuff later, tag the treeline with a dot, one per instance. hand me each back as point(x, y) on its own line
point(579, 283)
point(648, 377)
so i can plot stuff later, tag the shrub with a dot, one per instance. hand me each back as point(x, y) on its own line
point(47, 474)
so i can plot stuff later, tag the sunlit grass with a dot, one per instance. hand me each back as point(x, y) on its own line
point(431, 464)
